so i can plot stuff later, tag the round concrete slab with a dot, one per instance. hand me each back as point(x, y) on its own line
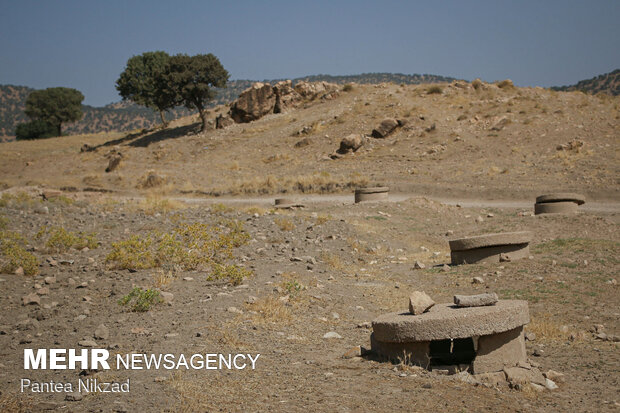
point(446, 321)
point(490, 254)
point(372, 190)
point(555, 208)
point(561, 197)
point(371, 194)
point(491, 240)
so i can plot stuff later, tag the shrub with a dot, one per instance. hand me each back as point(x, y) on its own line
point(232, 273)
point(187, 246)
point(14, 254)
point(434, 90)
point(285, 224)
point(61, 240)
point(347, 87)
point(141, 300)
point(20, 200)
point(476, 84)
point(505, 84)
point(134, 253)
point(36, 129)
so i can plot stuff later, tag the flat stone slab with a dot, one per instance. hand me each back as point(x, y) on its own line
point(561, 197)
point(446, 321)
point(491, 240)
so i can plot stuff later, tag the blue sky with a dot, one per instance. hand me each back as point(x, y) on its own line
point(85, 44)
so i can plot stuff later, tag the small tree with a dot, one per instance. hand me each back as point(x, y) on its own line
point(35, 129)
point(54, 106)
point(138, 82)
point(193, 79)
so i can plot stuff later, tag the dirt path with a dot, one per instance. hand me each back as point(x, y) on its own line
point(599, 206)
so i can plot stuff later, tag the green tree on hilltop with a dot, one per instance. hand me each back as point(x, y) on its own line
point(54, 106)
point(193, 79)
point(138, 82)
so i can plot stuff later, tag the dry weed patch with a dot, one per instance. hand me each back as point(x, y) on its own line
point(13, 254)
point(140, 300)
point(269, 309)
point(284, 224)
point(547, 329)
point(322, 182)
point(59, 239)
point(188, 247)
point(153, 205)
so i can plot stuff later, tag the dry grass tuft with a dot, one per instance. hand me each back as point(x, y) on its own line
point(284, 224)
point(322, 182)
point(547, 329)
point(269, 309)
point(151, 180)
point(505, 84)
point(153, 205)
point(434, 90)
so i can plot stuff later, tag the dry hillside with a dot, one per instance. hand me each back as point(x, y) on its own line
point(498, 142)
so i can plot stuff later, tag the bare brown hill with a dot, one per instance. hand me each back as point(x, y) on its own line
point(495, 140)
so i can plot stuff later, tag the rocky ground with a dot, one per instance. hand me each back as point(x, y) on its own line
point(184, 217)
point(322, 271)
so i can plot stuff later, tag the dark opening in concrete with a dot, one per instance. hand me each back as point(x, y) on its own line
point(452, 352)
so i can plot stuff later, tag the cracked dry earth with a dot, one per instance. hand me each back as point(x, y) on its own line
point(330, 267)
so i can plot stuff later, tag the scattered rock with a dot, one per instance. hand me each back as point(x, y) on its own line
point(555, 376)
point(87, 343)
point(550, 385)
point(151, 180)
point(31, 299)
point(253, 103)
point(501, 124)
point(223, 121)
point(76, 396)
point(332, 334)
point(420, 302)
point(386, 127)
point(19, 271)
point(312, 90)
point(102, 332)
point(418, 265)
point(478, 300)
point(286, 97)
point(166, 297)
point(350, 143)
point(477, 280)
point(113, 162)
point(304, 142)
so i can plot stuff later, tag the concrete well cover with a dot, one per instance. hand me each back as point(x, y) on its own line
point(561, 197)
point(445, 321)
point(372, 190)
point(490, 240)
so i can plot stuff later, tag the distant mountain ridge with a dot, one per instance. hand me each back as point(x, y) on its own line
point(125, 116)
point(606, 83)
